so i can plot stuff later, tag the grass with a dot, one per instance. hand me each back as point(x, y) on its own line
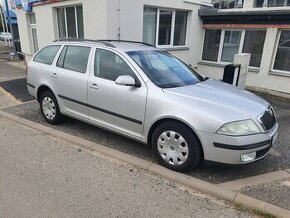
point(258, 212)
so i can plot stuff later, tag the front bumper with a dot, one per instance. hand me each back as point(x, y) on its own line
point(228, 149)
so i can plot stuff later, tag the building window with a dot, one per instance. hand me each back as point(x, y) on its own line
point(272, 3)
point(33, 32)
point(164, 28)
point(211, 45)
point(231, 45)
point(223, 45)
point(282, 59)
point(226, 4)
point(70, 22)
point(254, 44)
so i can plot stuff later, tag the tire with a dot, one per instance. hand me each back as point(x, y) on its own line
point(176, 146)
point(50, 109)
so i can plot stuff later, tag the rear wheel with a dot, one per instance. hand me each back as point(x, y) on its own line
point(176, 146)
point(50, 109)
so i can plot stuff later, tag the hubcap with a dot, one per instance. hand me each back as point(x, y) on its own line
point(172, 147)
point(48, 108)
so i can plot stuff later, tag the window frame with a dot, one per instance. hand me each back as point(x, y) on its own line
point(171, 45)
point(275, 53)
point(65, 19)
point(241, 45)
point(65, 47)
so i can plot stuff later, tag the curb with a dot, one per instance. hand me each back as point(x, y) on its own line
point(191, 182)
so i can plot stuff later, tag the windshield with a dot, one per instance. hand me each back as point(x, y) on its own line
point(165, 70)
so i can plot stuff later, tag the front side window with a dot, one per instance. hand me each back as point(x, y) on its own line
point(163, 27)
point(47, 54)
point(74, 58)
point(254, 44)
point(282, 59)
point(110, 66)
point(70, 22)
point(165, 70)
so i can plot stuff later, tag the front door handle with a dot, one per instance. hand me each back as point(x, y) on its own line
point(94, 86)
point(54, 75)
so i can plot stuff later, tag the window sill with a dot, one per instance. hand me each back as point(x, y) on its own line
point(279, 73)
point(174, 48)
point(212, 64)
point(254, 69)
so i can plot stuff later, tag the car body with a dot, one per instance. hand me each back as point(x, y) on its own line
point(5, 36)
point(223, 124)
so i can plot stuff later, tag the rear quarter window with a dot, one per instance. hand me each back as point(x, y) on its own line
point(47, 54)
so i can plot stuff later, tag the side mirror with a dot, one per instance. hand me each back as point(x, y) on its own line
point(127, 80)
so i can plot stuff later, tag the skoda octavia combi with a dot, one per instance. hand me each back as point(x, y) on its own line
point(141, 92)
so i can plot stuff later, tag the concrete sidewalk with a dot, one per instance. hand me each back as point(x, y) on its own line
point(41, 176)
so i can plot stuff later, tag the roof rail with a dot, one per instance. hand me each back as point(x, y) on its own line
point(105, 42)
point(117, 40)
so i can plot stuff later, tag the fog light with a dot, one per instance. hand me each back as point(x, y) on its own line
point(248, 157)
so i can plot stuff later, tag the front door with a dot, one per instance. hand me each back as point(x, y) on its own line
point(118, 108)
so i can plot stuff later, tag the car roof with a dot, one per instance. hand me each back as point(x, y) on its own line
point(121, 45)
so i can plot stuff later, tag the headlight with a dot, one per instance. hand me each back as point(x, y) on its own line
point(239, 128)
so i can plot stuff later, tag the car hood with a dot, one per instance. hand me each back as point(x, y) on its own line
point(222, 98)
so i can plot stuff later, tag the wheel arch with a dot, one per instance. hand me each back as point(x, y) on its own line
point(41, 89)
point(168, 119)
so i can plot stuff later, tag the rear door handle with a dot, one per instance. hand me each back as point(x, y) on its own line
point(54, 75)
point(94, 86)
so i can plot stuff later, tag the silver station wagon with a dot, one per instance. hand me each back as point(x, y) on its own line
point(146, 94)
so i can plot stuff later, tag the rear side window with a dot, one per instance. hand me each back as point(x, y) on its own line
point(47, 54)
point(74, 58)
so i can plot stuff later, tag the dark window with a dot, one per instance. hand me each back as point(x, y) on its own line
point(211, 45)
point(254, 44)
point(110, 66)
point(180, 28)
point(74, 58)
point(47, 54)
point(259, 3)
point(165, 20)
point(282, 60)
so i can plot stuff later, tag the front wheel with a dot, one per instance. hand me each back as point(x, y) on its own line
point(176, 146)
point(50, 109)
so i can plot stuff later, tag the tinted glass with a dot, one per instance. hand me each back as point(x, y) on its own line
point(80, 22)
point(71, 22)
point(46, 55)
point(110, 66)
point(61, 22)
point(165, 20)
point(211, 45)
point(282, 60)
point(180, 28)
point(76, 58)
point(165, 70)
point(254, 44)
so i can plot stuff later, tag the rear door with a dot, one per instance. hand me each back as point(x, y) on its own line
point(71, 78)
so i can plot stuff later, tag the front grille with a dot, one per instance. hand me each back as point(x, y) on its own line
point(268, 119)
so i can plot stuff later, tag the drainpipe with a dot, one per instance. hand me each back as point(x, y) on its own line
point(119, 22)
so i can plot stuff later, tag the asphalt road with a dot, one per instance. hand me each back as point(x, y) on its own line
point(41, 176)
point(279, 158)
